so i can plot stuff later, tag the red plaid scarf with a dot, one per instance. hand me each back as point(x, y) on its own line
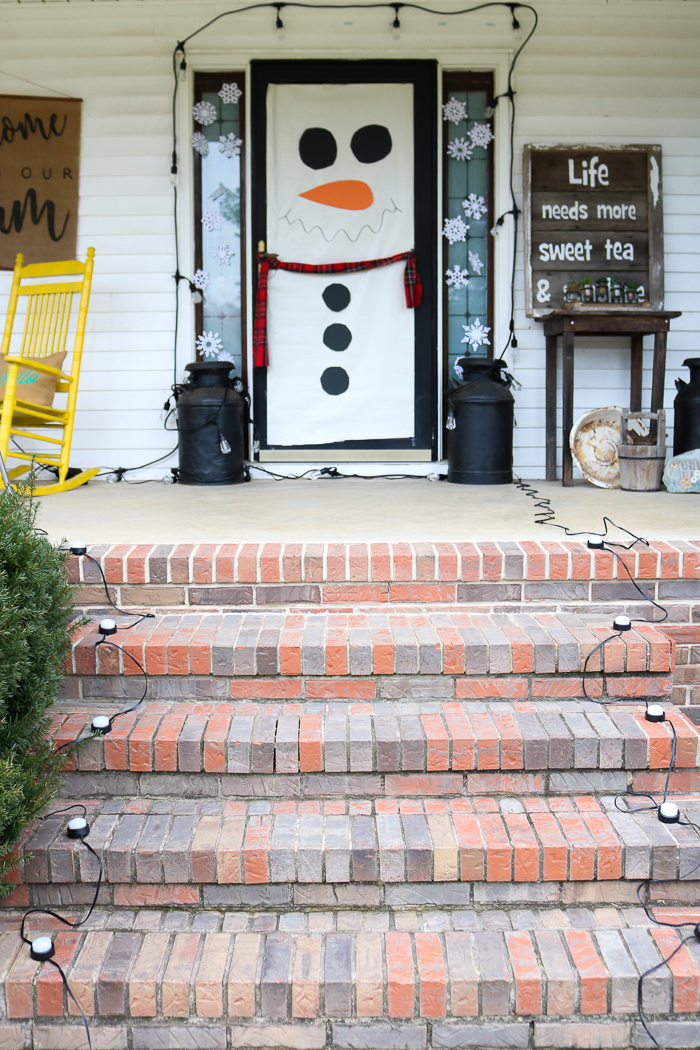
point(411, 282)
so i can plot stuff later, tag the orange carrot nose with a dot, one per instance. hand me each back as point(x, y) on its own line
point(347, 193)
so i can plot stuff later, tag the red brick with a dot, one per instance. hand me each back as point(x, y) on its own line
point(592, 975)
point(526, 971)
point(310, 743)
point(247, 563)
point(180, 563)
point(536, 560)
point(399, 974)
point(642, 687)
point(448, 561)
point(49, 985)
point(267, 689)
point(165, 749)
point(511, 739)
point(256, 849)
point(472, 851)
point(438, 742)
point(359, 561)
point(215, 737)
point(203, 563)
point(126, 896)
point(177, 978)
point(527, 854)
point(270, 563)
point(341, 689)
point(381, 561)
point(365, 593)
point(225, 563)
point(463, 739)
point(291, 562)
point(554, 846)
point(498, 848)
point(492, 560)
point(431, 975)
point(470, 562)
point(114, 563)
point(686, 975)
point(423, 592)
point(500, 688)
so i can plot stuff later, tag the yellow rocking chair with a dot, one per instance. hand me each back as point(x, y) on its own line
point(46, 322)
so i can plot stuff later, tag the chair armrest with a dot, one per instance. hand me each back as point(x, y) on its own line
point(33, 362)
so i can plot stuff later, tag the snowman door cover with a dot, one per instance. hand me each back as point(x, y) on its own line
point(339, 188)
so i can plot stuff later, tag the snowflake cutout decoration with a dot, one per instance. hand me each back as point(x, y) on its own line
point(209, 345)
point(457, 278)
point(475, 334)
point(230, 145)
point(213, 220)
point(230, 94)
point(454, 111)
point(459, 371)
point(455, 229)
point(481, 135)
point(200, 143)
point(200, 280)
point(218, 192)
point(204, 113)
point(225, 355)
point(222, 254)
point(474, 206)
point(460, 149)
point(475, 262)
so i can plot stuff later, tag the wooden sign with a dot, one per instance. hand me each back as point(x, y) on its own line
point(593, 228)
point(39, 178)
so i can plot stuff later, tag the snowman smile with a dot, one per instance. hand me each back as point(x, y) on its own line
point(351, 194)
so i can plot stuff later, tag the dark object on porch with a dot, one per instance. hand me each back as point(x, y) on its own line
point(211, 418)
point(481, 444)
point(686, 404)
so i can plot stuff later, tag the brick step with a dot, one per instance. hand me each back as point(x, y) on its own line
point(397, 967)
point(479, 740)
point(296, 643)
point(200, 851)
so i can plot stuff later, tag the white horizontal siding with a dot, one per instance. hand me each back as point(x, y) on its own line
point(619, 72)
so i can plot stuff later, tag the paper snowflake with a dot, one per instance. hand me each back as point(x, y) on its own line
point(474, 207)
point(204, 113)
point(230, 145)
point(224, 355)
point(480, 135)
point(222, 254)
point(457, 278)
point(475, 334)
point(200, 143)
point(209, 345)
point(230, 94)
point(475, 262)
point(459, 371)
point(460, 149)
point(454, 111)
point(455, 229)
point(200, 280)
point(218, 192)
point(213, 220)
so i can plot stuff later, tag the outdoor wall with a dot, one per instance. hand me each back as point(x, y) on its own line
point(625, 71)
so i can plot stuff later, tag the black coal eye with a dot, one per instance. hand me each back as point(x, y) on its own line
point(317, 148)
point(371, 143)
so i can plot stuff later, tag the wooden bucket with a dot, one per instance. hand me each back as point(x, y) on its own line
point(642, 466)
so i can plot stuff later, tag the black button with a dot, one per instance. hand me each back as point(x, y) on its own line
point(317, 148)
point(335, 381)
point(336, 297)
point(337, 337)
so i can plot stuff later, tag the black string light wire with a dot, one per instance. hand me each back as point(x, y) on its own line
point(179, 67)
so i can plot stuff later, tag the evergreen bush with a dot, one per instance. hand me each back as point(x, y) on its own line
point(35, 617)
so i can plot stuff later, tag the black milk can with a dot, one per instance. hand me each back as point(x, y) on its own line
point(480, 448)
point(211, 417)
point(686, 406)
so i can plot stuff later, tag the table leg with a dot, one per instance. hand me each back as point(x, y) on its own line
point(636, 372)
point(659, 372)
point(567, 475)
point(551, 409)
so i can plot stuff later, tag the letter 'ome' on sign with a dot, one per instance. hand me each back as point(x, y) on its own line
point(39, 178)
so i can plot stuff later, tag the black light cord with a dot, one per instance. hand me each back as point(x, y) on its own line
point(144, 672)
point(70, 993)
point(334, 474)
point(122, 612)
point(653, 969)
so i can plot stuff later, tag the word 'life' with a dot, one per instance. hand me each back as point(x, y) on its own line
point(590, 170)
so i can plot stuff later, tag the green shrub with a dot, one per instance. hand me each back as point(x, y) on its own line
point(35, 614)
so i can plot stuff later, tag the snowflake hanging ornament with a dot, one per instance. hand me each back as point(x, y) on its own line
point(209, 345)
point(455, 229)
point(218, 192)
point(200, 143)
point(201, 280)
point(459, 371)
point(230, 145)
point(204, 113)
point(454, 111)
point(225, 355)
point(213, 220)
point(474, 206)
point(480, 135)
point(475, 334)
point(460, 149)
point(475, 262)
point(457, 278)
point(230, 94)
point(222, 254)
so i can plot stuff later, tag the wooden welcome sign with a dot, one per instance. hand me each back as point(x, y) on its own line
point(593, 228)
point(39, 178)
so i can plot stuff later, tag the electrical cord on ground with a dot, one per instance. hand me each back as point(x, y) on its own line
point(316, 474)
point(81, 551)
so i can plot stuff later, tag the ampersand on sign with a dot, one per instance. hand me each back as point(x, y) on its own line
point(543, 293)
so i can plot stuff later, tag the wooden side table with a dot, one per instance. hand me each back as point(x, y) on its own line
point(591, 321)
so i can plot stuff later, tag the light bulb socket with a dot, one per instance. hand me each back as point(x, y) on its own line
point(78, 828)
point(77, 549)
point(42, 949)
point(107, 627)
point(669, 813)
point(622, 623)
point(655, 713)
point(101, 724)
point(596, 543)
point(696, 931)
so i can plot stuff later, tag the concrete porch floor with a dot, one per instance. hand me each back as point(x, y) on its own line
point(352, 510)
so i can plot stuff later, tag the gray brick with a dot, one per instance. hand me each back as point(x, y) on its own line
point(637, 850)
point(179, 1037)
point(582, 1035)
point(361, 758)
point(620, 590)
point(669, 1034)
point(657, 986)
point(239, 743)
point(419, 849)
point(391, 847)
point(335, 743)
point(511, 892)
point(282, 853)
point(310, 847)
point(327, 895)
point(175, 849)
point(585, 741)
point(591, 782)
point(69, 1037)
point(611, 740)
point(495, 979)
point(186, 785)
point(287, 594)
point(337, 848)
point(338, 974)
point(279, 1037)
point(489, 1035)
point(443, 894)
point(379, 1037)
point(489, 592)
point(561, 591)
point(561, 982)
point(287, 744)
point(118, 855)
point(412, 743)
point(263, 744)
point(275, 985)
point(245, 896)
point(365, 859)
point(397, 687)
point(621, 969)
point(316, 784)
point(386, 733)
point(360, 651)
point(535, 740)
point(636, 740)
point(221, 596)
point(147, 854)
point(560, 742)
point(261, 786)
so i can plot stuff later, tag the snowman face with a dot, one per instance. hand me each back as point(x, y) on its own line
point(339, 171)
